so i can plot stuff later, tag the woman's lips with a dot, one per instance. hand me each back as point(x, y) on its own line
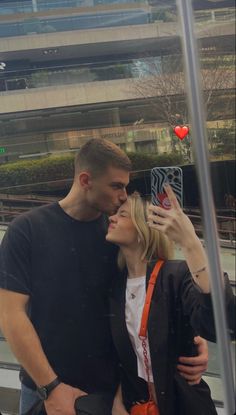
point(111, 227)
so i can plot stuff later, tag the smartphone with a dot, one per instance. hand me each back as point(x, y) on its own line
point(166, 175)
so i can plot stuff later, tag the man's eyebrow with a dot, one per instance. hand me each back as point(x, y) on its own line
point(120, 184)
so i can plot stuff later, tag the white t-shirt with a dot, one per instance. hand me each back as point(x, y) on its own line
point(135, 299)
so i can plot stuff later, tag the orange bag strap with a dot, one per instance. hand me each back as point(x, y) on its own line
point(146, 308)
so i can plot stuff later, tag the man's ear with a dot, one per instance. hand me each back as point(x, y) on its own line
point(85, 179)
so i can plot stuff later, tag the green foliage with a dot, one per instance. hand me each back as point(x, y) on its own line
point(147, 161)
point(222, 141)
point(38, 79)
point(36, 171)
point(164, 15)
point(52, 168)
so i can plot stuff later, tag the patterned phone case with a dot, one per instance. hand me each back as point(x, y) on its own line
point(161, 176)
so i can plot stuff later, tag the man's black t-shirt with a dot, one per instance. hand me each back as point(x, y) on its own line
point(65, 266)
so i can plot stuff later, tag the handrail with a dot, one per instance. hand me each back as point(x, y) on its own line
point(9, 212)
point(74, 11)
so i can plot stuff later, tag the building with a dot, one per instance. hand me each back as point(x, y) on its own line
point(73, 69)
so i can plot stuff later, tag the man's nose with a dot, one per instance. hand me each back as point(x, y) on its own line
point(123, 196)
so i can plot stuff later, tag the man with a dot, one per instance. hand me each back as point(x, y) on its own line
point(55, 273)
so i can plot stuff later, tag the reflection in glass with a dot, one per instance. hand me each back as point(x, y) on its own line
point(111, 69)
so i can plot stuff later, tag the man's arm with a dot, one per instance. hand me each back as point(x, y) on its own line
point(23, 340)
point(25, 344)
point(192, 368)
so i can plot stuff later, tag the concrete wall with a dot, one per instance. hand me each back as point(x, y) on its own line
point(92, 93)
point(108, 35)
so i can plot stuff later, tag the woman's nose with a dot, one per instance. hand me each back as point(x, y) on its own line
point(112, 218)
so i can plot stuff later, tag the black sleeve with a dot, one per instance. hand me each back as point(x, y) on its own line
point(15, 258)
point(230, 307)
point(200, 309)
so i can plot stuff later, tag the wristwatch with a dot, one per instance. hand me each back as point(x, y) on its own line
point(44, 391)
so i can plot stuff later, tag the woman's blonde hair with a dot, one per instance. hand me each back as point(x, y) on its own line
point(154, 243)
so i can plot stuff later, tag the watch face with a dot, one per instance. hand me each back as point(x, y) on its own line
point(43, 393)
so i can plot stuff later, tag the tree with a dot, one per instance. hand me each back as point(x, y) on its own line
point(222, 140)
point(161, 81)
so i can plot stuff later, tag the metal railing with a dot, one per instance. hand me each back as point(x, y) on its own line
point(13, 205)
point(103, 71)
point(38, 6)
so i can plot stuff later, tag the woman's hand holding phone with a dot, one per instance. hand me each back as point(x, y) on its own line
point(178, 228)
point(172, 222)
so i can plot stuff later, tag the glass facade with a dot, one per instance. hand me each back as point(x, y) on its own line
point(108, 78)
point(71, 70)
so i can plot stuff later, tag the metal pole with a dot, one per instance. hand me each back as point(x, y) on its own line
point(35, 6)
point(192, 69)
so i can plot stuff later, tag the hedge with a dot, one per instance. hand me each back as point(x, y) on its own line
point(53, 168)
point(49, 168)
point(144, 161)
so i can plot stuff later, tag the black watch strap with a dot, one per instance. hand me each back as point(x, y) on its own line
point(44, 391)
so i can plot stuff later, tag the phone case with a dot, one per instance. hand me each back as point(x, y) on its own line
point(164, 175)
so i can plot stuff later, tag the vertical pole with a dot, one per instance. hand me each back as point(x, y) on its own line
point(34, 5)
point(192, 69)
point(213, 17)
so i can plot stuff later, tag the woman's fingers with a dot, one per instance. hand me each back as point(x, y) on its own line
point(173, 201)
point(156, 219)
point(172, 222)
point(157, 210)
point(157, 216)
point(157, 227)
point(171, 196)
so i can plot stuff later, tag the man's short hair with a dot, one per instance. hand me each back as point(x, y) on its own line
point(97, 155)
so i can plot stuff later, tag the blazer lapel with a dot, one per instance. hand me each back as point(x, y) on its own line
point(158, 333)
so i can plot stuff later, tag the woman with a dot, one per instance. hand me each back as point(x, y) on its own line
point(180, 306)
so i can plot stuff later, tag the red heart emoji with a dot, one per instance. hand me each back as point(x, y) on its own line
point(181, 132)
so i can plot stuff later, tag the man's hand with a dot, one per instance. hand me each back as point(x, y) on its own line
point(198, 364)
point(61, 400)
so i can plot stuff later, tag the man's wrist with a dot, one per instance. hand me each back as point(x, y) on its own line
point(45, 390)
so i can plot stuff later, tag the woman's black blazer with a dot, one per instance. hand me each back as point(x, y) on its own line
point(178, 312)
